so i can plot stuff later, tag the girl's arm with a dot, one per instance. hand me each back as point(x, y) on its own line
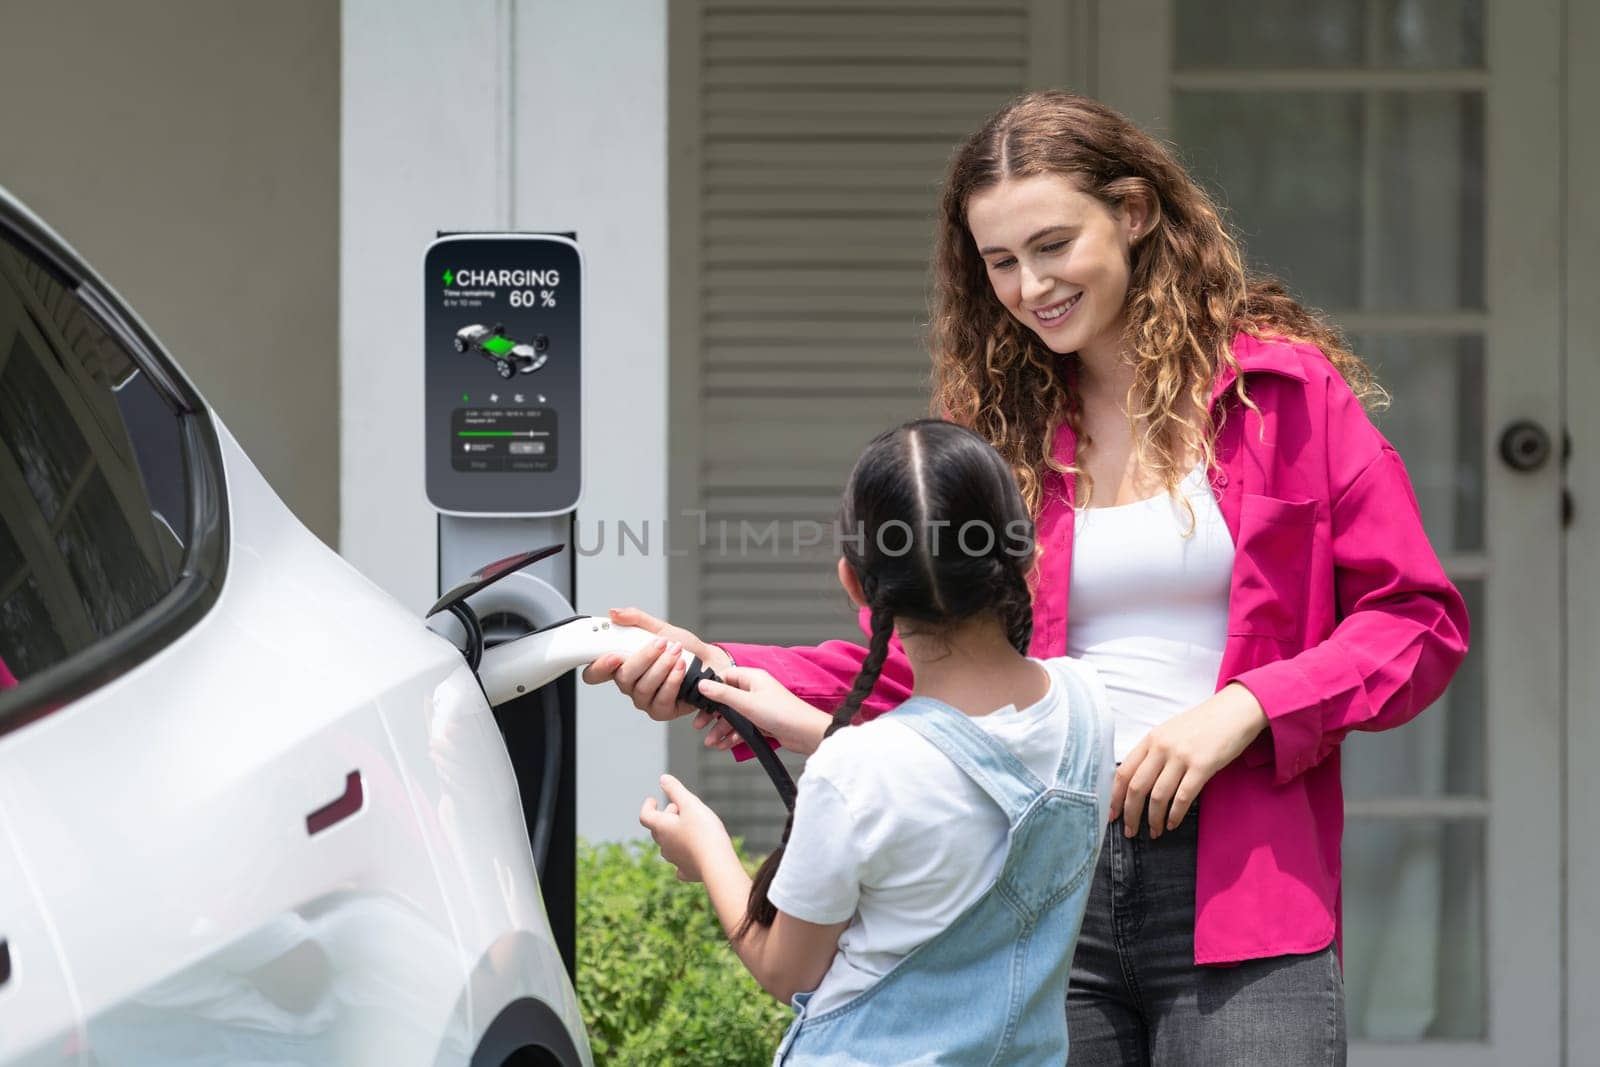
point(822, 674)
point(788, 957)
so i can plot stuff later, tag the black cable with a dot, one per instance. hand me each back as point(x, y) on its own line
point(544, 822)
point(469, 621)
point(747, 730)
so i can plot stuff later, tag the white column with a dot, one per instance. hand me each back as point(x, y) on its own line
point(535, 115)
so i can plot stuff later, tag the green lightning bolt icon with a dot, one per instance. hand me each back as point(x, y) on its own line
point(449, 279)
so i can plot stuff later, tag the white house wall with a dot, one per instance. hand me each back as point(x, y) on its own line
point(189, 151)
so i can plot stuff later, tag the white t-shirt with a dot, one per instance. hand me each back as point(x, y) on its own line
point(892, 836)
point(1149, 606)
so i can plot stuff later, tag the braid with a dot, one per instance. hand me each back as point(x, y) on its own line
point(759, 911)
point(871, 667)
point(1016, 610)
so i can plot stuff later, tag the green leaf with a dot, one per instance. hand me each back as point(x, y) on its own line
point(657, 980)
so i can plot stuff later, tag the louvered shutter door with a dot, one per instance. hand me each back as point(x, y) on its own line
point(808, 142)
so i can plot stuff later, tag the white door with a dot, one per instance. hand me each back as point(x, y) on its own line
point(1397, 162)
point(1581, 389)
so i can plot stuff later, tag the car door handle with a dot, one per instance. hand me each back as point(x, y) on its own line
point(340, 810)
point(5, 962)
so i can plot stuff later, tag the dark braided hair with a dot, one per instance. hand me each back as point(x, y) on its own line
point(905, 528)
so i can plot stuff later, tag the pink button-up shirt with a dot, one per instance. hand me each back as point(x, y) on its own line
point(1340, 618)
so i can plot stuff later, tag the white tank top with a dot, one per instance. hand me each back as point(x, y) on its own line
point(1148, 607)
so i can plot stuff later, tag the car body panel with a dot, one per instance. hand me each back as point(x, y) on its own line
point(195, 911)
point(40, 1024)
point(192, 786)
point(470, 811)
point(162, 895)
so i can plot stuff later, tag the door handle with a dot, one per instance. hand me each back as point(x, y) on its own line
point(338, 811)
point(5, 962)
point(1525, 446)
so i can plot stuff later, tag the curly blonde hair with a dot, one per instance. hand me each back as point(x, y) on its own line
point(1188, 294)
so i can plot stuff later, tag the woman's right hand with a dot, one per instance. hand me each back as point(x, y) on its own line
point(652, 676)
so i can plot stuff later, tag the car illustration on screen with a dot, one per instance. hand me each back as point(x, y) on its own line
point(509, 357)
point(252, 810)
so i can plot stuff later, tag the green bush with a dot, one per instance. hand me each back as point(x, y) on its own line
point(657, 980)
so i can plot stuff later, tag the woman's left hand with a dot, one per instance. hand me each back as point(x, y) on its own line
point(1174, 760)
point(687, 830)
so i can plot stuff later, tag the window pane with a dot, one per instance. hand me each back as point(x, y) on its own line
point(114, 578)
point(1243, 34)
point(1427, 246)
point(35, 425)
point(1255, 34)
point(1436, 424)
point(1414, 929)
point(1441, 751)
point(1286, 168)
point(26, 647)
point(93, 487)
point(1357, 200)
point(157, 445)
point(1438, 34)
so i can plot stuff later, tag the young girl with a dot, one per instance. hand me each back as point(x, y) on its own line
point(942, 851)
point(1245, 558)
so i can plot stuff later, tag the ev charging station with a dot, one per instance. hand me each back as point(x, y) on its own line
point(502, 359)
point(502, 365)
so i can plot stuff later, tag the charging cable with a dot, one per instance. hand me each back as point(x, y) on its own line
point(690, 693)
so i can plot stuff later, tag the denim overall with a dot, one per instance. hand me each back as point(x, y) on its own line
point(992, 987)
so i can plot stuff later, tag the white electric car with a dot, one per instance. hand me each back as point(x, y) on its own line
point(251, 810)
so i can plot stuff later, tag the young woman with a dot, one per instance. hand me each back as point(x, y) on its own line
point(945, 846)
point(1244, 555)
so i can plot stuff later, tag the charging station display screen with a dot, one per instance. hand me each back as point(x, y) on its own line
point(501, 372)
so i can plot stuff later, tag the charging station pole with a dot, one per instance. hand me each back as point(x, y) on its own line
point(502, 365)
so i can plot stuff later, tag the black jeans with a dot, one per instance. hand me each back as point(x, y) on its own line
point(1136, 996)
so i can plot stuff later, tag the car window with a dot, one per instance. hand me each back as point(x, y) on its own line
point(94, 493)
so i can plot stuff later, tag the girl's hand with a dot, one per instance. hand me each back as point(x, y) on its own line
point(687, 831)
point(762, 699)
point(652, 675)
point(1174, 760)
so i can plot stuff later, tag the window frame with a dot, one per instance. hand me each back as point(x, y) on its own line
point(205, 558)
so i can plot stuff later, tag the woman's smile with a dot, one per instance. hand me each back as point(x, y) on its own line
point(1053, 315)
